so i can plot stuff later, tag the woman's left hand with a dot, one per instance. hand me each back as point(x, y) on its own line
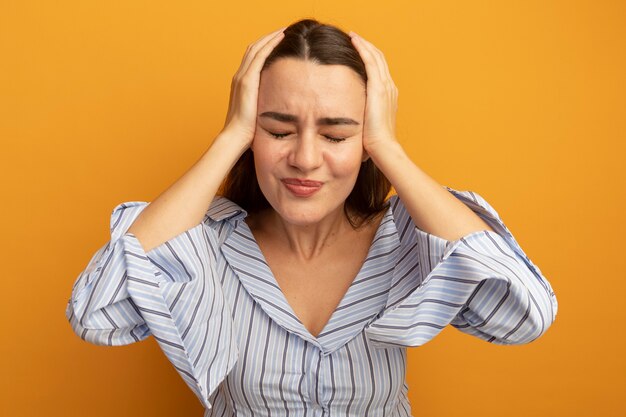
point(382, 96)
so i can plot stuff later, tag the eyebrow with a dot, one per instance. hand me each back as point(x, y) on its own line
point(325, 121)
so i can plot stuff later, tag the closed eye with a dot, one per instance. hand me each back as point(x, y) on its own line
point(282, 135)
point(278, 135)
point(332, 139)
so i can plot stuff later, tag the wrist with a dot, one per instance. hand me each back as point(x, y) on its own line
point(231, 141)
point(385, 149)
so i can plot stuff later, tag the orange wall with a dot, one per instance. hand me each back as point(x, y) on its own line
point(522, 102)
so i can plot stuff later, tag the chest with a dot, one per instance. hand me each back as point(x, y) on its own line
point(283, 368)
point(315, 289)
point(280, 373)
point(314, 286)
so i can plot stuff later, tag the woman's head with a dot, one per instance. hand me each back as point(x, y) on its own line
point(312, 93)
point(322, 44)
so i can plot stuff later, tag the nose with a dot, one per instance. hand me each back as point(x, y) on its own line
point(306, 154)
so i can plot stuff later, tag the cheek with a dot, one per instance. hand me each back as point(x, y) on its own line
point(346, 164)
point(267, 154)
point(262, 165)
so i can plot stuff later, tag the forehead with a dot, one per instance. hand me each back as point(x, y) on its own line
point(304, 86)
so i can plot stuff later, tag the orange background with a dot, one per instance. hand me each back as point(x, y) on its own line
point(523, 102)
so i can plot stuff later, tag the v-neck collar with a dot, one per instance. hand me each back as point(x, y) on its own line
point(364, 299)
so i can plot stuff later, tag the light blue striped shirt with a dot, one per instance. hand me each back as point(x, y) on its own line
point(210, 300)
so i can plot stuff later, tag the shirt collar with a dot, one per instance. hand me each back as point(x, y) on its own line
point(364, 299)
point(224, 209)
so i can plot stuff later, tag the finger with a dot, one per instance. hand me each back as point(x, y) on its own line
point(253, 48)
point(247, 59)
point(368, 58)
point(249, 77)
point(381, 68)
point(372, 61)
point(379, 58)
point(384, 65)
point(256, 64)
point(268, 41)
point(386, 82)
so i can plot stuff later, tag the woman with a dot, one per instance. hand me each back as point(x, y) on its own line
point(297, 290)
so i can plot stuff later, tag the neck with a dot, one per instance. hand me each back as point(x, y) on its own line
point(305, 242)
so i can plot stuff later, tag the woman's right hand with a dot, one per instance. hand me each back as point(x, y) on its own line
point(244, 90)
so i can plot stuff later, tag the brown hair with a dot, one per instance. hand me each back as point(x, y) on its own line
point(322, 44)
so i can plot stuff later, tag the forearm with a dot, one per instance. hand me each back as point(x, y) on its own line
point(183, 204)
point(432, 208)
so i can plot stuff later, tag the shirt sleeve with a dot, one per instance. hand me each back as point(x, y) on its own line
point(172, 293)
point(482, 284)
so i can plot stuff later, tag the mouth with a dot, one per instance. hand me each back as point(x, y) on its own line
point(302, 187)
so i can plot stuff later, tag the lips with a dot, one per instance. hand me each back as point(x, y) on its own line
point(304, 183)
point(302, 187)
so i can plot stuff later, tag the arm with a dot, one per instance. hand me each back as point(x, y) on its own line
point(172, 293)
point(432, 208)
point(156, 276)
point(482, 282)
point(101, 309)
point(506, 298)
point(185, 202)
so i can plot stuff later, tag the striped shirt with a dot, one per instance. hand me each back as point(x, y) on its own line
point(210, 300)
